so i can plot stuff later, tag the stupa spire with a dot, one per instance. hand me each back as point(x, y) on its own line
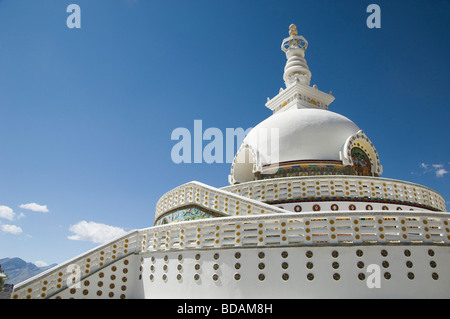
point(297, 77)
point(296, 69)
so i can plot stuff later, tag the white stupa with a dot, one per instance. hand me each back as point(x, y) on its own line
point(306, 215)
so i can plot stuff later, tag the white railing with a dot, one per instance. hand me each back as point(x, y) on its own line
point(322, 228)
point(340, 187)
point(211, 198)
point(72, 271)
point(248, 198)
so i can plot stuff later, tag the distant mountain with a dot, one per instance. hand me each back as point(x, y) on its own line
point(19, 270)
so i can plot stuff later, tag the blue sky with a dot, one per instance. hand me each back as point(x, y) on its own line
point(87, 114)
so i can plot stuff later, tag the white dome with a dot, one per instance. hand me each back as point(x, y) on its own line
point(303, 134)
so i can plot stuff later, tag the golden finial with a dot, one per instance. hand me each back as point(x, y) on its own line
point(293, 29)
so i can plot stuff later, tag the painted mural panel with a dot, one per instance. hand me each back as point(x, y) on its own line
point(185, 214)
point(361, 162)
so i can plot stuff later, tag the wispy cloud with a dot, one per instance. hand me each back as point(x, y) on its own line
point(11, 229)
point(437, 169)
point(7, 212)
point(94, 232)
point(35, 207)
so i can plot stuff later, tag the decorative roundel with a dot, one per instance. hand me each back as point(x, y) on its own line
point(298, 208)
point(352, 207)
point(369, 207)
point(384, 207)
point(334, 207)
point(316, 207)
point(399, 208)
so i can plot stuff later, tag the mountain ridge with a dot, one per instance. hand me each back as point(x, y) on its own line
point(19, 270)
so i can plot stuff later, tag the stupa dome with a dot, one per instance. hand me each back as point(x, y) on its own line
point(303, 134)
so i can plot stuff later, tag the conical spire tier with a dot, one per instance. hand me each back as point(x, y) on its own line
point(296, 69)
